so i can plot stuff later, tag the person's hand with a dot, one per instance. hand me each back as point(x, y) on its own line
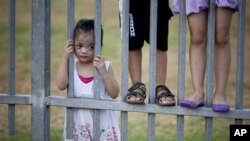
point(99, 63)
point(68, 49)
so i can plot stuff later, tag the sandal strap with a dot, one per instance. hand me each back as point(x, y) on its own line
point(167, 93)
point(140, 86)
point(162, 87)
point(132, 92)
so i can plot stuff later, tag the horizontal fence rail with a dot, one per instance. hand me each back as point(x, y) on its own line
point(17, 99)
point(146, 108)
point(121, 106)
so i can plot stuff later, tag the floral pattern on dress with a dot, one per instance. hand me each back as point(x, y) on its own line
point(107, 134)
point(83, 131)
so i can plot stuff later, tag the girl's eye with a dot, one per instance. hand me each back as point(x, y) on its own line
point(91, 47)
point(78, 46)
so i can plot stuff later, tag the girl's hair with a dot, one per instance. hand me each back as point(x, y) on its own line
point(85, 25)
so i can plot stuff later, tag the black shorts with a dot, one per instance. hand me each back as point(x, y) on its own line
point(139, 24)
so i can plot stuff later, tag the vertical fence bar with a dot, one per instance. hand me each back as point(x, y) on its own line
point(69, 112)
point(210, 53)
point(98, 25)
point(124, 72)
point(97, 80)
point(210, 68)
point(152, 64)
point(240, 57)
point(47, 68)
point(12, 57)
point(40, 69)
point(181, 67)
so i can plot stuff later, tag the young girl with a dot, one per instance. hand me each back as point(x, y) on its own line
point(197, 14)
point(85, 63)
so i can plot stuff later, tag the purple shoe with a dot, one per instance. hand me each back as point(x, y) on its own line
point(221, 108)
point(191, 104)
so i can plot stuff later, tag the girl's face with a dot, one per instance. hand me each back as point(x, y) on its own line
point(84, 46)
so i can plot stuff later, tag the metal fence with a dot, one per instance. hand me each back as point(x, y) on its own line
point(40, 99)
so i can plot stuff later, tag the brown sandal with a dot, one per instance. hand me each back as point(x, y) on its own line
point(166, 93)
point(132, 92)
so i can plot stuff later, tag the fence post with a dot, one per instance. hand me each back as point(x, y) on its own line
point(210, 68)
point(12, 57)
point(124, 72)
point(40, 70)
point(181, 68)
point(69, 110)
point(152, 68)
point(97, 80)
point(240, 57)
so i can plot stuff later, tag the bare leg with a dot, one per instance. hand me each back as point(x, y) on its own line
point(197, 53)
point(161, 67)
point(135, 59)
point(161, 74)
point(222, 54)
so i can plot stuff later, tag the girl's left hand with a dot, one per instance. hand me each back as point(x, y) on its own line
point(99, 63)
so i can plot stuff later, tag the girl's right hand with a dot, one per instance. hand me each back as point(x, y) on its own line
point(68, 49)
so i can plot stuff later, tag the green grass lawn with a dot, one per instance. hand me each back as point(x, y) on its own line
point(137, 126)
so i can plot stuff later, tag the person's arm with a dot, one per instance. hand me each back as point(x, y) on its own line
point(62, 78)
point(108, 77)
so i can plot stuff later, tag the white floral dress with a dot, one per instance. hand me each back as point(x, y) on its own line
point(83, 118)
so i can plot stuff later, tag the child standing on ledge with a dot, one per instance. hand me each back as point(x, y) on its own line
point(197, 14)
